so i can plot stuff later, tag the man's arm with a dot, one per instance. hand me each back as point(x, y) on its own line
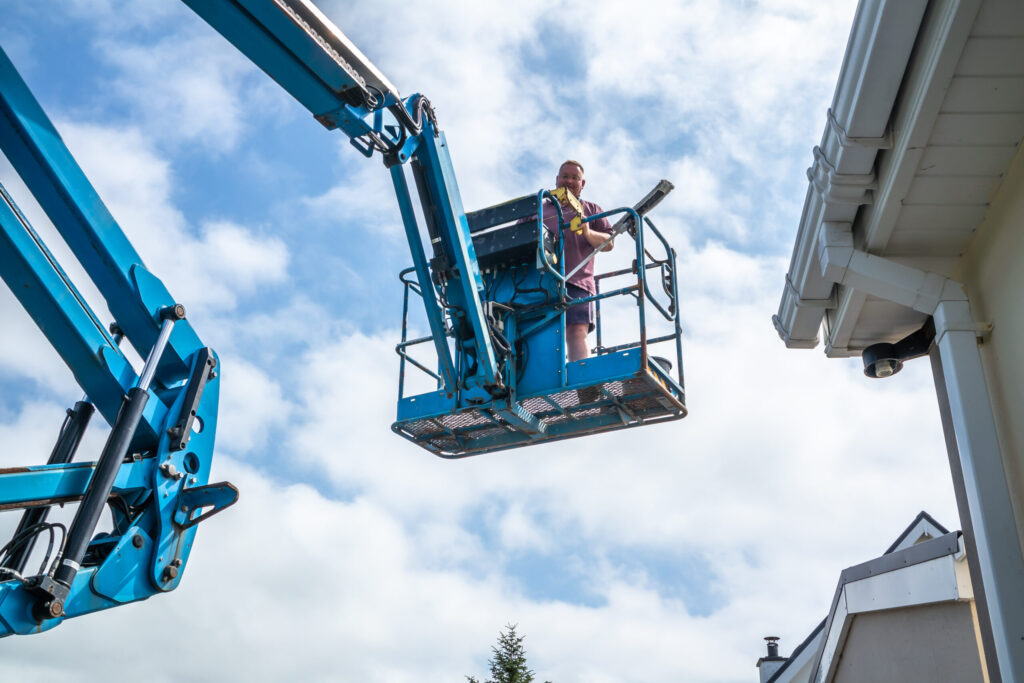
point(596, 232)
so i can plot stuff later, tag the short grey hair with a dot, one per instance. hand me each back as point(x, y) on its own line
point(574, 163)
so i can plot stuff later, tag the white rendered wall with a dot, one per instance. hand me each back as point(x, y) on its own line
point(932, 642)
point(992, 268)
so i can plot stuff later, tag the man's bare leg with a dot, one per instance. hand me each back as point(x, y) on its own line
point(576, 340)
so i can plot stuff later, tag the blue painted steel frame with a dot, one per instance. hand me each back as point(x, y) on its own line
point(147, 550)
point(132, 294)
point(154, 531)
point(435, 316)
point(537, 333)
point(432, 153)
point(291, 52)
point(153, 536)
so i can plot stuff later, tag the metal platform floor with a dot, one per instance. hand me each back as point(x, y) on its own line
point(644, 398)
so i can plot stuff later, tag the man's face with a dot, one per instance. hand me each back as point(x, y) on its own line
point(571, 178)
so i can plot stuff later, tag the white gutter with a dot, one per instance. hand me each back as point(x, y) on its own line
point(842, 177)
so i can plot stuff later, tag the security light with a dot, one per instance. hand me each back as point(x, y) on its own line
point(885, 360)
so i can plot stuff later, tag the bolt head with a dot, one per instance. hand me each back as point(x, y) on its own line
point(137, 540)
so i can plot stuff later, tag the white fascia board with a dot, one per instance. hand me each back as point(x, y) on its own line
point(861, 274)
point(797, 666)
point(807, 295)
point(841, 325)
point(836, 636)
point(920, 584)
point(841, 179)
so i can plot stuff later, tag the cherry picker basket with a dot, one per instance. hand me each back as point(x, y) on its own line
point(548, 398)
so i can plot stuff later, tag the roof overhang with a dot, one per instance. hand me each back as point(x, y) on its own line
point(919, 135)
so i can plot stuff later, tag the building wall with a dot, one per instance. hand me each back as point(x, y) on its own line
point(923, 643)
point(992, 268)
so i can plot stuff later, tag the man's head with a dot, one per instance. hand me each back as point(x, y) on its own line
point(570, 176)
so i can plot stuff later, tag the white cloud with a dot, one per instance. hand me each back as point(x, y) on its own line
point(185, 86)
point(699, 190)
point(393, 567)
point(341, 588)
point(270, 331)
point(365, 201)
point(206, 271)
point(518, 530)
point(239, 257)
point(730, 88)
point(25, 352)
point(252, 405)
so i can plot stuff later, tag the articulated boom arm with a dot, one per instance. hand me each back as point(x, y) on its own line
point(297, 46)
point(154, 469)
point(483, 325)
point(498, 332)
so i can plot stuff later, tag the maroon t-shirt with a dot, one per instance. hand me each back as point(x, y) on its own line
point(577, 247)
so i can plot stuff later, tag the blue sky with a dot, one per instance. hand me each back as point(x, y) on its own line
point(658, 554)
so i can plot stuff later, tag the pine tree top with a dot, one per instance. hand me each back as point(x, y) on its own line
point(508, 663)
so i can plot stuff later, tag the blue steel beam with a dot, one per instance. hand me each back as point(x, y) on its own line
point(46, 292)
point(47, 167)
point(439, 176)
point(299, 48)
point(435, 316)
point(256, 41)
point(311, 59)
point(20, 486)
point(152, 548)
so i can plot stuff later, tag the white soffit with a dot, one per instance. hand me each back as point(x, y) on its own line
point(956, 125)
point(923, 529)
point(962, 119)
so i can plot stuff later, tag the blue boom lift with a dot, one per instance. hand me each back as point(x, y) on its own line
point(492, 291)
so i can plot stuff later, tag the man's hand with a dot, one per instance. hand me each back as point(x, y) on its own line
point(596, 238)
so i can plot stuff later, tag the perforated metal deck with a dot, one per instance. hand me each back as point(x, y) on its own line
point(642, 399)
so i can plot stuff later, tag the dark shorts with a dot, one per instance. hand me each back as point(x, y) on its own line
point(580, 314)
